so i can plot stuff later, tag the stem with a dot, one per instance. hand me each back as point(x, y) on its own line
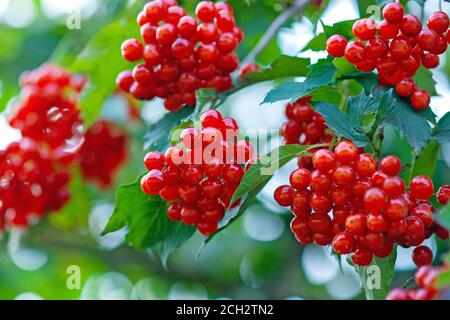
point(276, 25)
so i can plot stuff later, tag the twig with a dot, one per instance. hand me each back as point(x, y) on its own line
point(295, 8)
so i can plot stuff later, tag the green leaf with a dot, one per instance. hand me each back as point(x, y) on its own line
point(282, 67)
point(442, 130)
point(262, 170)
point(157, 135)
point(146, 221)
point(424, 80)
point(444, 217)
point(363, 5)
point(349, 124)
point(102, 61)
point(397, 111)
point(376, 278)
point(74, 215)
point(443, 280)
point(343, 67)
point(425, 163)
point(321, 74)
point(368, 80)
point(319, 42)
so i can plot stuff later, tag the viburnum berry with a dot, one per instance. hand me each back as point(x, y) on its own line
point(324, 160)
point(422, 187)
point(336, 46)
point(410, 25)
point(362, 257)
point(391, 165)
point(443, 195)
point(406, 87)
point(393, 12)
point(438, 22)
point(420, 99)
point(422, 256)
point(364, 29)
point(181, 54)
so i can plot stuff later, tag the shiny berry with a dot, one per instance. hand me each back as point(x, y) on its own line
point(422, 187)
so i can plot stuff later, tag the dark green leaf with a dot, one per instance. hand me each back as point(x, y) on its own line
point(367, 80)
point(363, 5)
point(377, 277)
point(146, 221)
point(442, 130)
point(157, 135)
point(262, 170)
point(321, 74)
point(443, 280)
point(397, 111)
point(282, 67)
point(444, 216)
point(425, 164)
point(424, 80)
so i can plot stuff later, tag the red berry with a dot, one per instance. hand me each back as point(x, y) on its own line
point(155, 11)
point(375, 200)
point(362, 257)
point(174, 211)
point(182, 48)
point(377, 48)
point(207, 32)
point(124, 80)
point(343, 176)
point(400, 48)
point(391, 165)
point(343, 243)
point(364, 29)
point(393, 186)
point(320, 203)
point(346, 152)
point(207, 229)
point(438, 22)
point(189, 193)
point(283, 195)
point(355, 51)
point(406, 87)
point(393, 12)
point(169, 193)
point(212, 119)
point(154, 160)
point(443, 194)
point(410, 25)
point(422, 187)
point(319, 223)
point(398, 294)
point(336, 46)
point(430, 60)
point(396, 209)
point(324, 160)
point(388, 30)
point(377, 223)
point(378, 179)
point(187, 27)
point(422, 256)
point(132, 50)
point(190, 215)
point(356, 223)
point(420, 99)
point(225, 21)
point(153, 182)
point(166, 34)
point(174, 14)
point(300, 179)
point(233, 173)
point(227, 42)
point(427, 39)
point(365, 165)
point(205, 11)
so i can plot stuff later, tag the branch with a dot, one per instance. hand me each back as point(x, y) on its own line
point(296, 7)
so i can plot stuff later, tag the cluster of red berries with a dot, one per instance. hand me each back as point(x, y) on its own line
point(31, 184)
point(425, 277)
point(200, 177)
point(181, 55)
point(345, 201)
point(47, 109)
point(103, 151)
point(304, 126)
point(396, 47)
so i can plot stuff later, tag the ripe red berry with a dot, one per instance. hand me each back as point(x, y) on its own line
point(346, 152)
point(233, 173)
point(406, 87)
point(154, 160)
point(365, 165)
point(336, 46)
point(396, 209)
point(393, 186)
point(427, 39)
point(410, 25)
point(225, 21)
point(377, 48)
point(362, 257)
point(124, 80)
point(420, 99)
point(364, 29)
point(283, 195)
point(324, 160)
point(300, 179)
point(438, 22)
point(174, 211)
point(132, 50)
point(356, 223)
point(393, 12)
point(155, 10)
point(400, 48)
point(391, 165)
point(190, 215)
point(430, 60)
point(422, 187)
point(205, 11)
point(166, 34)
point(153, 182)
point(343, 243)
point(443, 194)
point(375, 200)
point(355, 51)
point(388, 30)
point(212, 118)
point(422, 256)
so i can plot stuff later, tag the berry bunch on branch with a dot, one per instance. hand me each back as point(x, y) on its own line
point(200, 177)
point(360, 206)
point(181, 54)
point(396, 47)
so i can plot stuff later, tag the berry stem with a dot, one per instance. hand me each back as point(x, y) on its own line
point(296, 7)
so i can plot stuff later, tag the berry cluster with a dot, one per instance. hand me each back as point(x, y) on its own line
point(181, 54)
point(396, 47)
point(201, 178)
point(47, 108)
point(425, 277)
point(31, 184)
point(370, 209)
point(103, 151)
point(304, 126)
